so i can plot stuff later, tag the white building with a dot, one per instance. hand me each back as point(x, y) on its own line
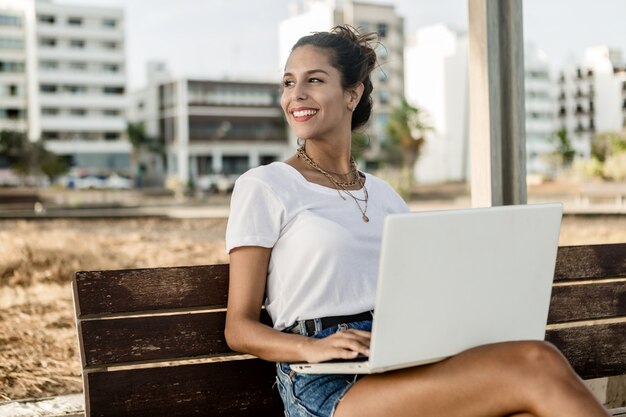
point(541, 118)
point(592, 97)
point(436, 77)
point(308, 16)
point(211, 129)
point(13, 86)
point(75, 71)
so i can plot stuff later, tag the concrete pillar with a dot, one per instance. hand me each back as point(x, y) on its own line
point(497, 114)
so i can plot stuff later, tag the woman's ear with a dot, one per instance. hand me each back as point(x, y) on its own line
point(355, 94)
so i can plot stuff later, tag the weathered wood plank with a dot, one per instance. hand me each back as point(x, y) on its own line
point(618, 412)
point(108, 342)
point(154, 338)
point(594, 351)
point(118, 291)
point(590, 261)
point(588, 301)
point(230, 389)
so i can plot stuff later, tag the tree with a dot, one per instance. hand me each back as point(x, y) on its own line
point(605, 144)
point(29, 158)
point(407, 129)
point(140, 140)
point(564, 148)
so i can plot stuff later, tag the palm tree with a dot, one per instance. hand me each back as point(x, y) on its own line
point(407, 128)
point(140, 140)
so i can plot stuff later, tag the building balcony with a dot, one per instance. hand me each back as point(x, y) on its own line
point(60, 53)
point(83, 146)
point(7, 124)
point(83, 101)
point(79, 124)
point(82, 78)
point(81, 32)
point(12, 102)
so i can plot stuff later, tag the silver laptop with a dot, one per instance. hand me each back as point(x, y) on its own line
point(454, 279)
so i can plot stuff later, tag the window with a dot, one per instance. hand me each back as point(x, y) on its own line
point(11, 44)
point(383, 97)
point(111, 112)
point(9, 20)
point(110, 68)
point(109, 23)
point(78, 66)
point(49, 111)
point(381, 75)
point(46, 19)
point(74, 21)
point(47, 42)
point(77, 43)
point(381, 28)
point(11, 66)
point(111, 136)
point(48, 65)
point(113, 90)
point(109, 45)
point(49, 135)
point(75, 89)
point(48, 88)
point(78, 112)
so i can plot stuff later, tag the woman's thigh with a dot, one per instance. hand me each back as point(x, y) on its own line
point(492, 380)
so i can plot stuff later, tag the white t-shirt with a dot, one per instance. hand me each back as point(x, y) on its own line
point(324, 260)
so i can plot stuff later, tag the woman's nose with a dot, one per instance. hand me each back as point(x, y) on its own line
point(299, 92)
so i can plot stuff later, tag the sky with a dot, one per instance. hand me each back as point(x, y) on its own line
point(238, 39)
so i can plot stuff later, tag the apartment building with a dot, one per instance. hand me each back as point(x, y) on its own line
point(212, 130)
point(436, 71)
point(308, 16)
point(12, 66)
point(592, 97)
point(68, 80)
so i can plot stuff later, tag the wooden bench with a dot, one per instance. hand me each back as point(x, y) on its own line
point(152, 343)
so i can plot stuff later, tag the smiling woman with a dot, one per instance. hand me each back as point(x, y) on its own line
point(304, 240)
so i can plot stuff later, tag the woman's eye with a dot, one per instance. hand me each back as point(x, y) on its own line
point(287, 83)
point(315, 80)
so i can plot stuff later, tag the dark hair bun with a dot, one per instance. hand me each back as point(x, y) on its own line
point(354, 57)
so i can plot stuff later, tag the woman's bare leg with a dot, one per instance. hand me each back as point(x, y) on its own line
point(514, 378)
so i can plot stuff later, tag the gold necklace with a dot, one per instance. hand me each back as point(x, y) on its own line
point(341, 186)
point(301, 153)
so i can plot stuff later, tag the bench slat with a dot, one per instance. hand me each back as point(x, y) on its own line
point(590, 261)
point(154, 338)
point(108, 342)
point(241, 388)
point(588, 301)
point(594, 351)
point(131, 290)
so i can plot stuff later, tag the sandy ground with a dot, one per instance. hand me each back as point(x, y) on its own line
point(38, 347)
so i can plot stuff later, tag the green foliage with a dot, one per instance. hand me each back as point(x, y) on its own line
point(564, 148)
point(360, 144)
point(29, 158)
point(407, 130)
point(605, 144)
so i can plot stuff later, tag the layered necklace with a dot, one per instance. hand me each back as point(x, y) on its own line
point(341, 186)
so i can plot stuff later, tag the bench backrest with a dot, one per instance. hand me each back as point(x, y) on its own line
point(152, 342)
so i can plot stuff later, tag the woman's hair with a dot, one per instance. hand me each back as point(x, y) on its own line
point(355, 59)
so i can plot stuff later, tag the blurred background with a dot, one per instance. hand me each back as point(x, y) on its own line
point(124, 124)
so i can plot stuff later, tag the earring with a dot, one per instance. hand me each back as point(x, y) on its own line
point(300, 144)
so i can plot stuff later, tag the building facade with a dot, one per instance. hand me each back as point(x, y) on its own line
point(437, 81)
point(68, 80)
point(212, 130)
point(308, 16)
point(592, 97)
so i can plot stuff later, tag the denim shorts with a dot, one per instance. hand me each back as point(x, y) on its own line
point(315, 395)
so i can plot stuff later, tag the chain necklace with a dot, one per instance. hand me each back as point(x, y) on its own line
point(339, 185)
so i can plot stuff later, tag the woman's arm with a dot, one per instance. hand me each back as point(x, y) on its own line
point(245, 333)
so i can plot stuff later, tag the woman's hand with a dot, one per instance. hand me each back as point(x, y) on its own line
point(345, 344)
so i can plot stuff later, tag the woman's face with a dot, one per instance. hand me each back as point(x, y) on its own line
point(314, 102)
